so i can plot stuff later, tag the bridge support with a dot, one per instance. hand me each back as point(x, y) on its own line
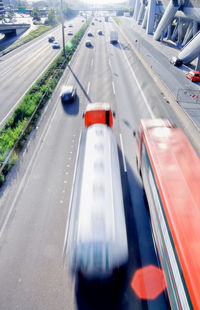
point(166, 19)
point(141, 13)
point(151, 16)
point(137, 8)
point(198, 64)
point(188, 34)
point(195, 27)
point(169, 31)
point(144, 22)
point(180, 32)
point(191, 50)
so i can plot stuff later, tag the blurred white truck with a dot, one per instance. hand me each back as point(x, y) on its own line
point(113, 37)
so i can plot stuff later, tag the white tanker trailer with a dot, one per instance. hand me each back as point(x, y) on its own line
point(96, 239)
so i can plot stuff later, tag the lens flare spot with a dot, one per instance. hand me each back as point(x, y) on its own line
point(69, 44)
point(148, 282)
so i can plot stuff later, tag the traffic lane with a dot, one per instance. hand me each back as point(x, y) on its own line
point(38, 267)
point(172, 111)
point(101, 89)
point(131, 106)
point(15, 54)
point(32, 247)
point(35, 47)
point(81, 74)
point(151, 98)
point(78, 65)
point(40, 49)
point(20, 78)
point(119, 295)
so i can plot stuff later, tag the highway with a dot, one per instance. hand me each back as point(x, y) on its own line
point(20, 68)
point(34, 201)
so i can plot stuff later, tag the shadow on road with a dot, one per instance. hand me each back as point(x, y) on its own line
point(8, 40)
point(98, 295)
point(80, 85)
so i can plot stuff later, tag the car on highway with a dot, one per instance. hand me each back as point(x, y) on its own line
point(70, 25)
point(90, 34)
point(70, 33)
point(68, 93)
point(194, 76)
point(93, 23)
point(88, 43)
point(51, 39)
point(176, 61)
point(83, 20)
point(55, 45)
point(100, 32)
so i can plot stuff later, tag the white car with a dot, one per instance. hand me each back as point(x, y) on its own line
point(55, 45)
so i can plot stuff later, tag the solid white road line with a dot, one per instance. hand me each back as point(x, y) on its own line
point(113, 86)
point(88, 88)
point(138, 85)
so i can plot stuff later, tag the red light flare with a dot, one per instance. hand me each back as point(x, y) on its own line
point(148, 282)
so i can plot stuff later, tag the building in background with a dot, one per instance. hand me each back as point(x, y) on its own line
point(2, 11)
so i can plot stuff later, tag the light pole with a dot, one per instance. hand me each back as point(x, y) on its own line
point(63, 34)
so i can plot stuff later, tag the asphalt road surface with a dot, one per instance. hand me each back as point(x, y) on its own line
point(20, 68)
point(34, 201)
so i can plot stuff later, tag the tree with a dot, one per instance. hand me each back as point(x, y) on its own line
point(51, 19)
point(36, 14)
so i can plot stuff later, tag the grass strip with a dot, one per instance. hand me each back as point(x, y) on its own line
point(32, 35)
point(117, 20)
point(15, 131)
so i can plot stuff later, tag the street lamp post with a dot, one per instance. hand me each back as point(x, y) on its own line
point(63, 34)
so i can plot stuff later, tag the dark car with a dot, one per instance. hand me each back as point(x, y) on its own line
point(100, 32)
point(51, 39)
point(176, 61)
point(90, 34)
point(88, 43)
point(68, 94)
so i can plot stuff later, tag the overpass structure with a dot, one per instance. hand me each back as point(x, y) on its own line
point(175, 20)
point(13, 29)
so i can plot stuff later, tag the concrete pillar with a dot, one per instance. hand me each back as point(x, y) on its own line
point(151, 16)
point(137, 8)
point(180, 32)
point(191, 50)
point(141, 13)
point(195, 27)
point(144, 23)
point(198, 64)
point(166, 19)
point(175, 33)
point(169, 31)
point(188, 34)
